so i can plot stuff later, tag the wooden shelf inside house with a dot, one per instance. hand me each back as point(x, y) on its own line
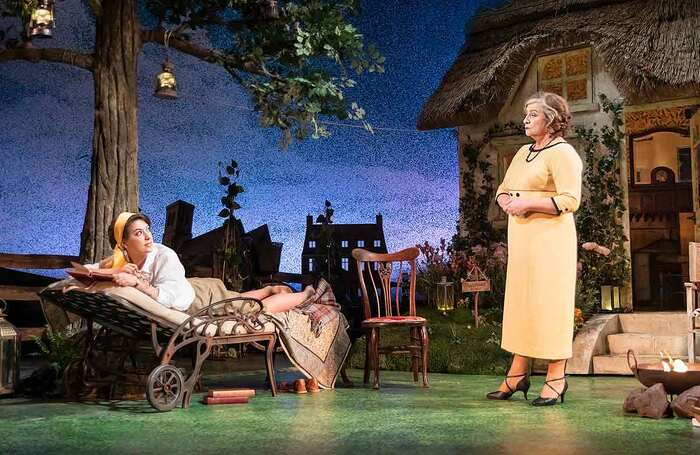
point(655, 200)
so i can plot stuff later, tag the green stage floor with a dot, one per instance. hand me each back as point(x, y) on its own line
point(451, 417)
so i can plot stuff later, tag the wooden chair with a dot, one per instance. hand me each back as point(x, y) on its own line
point(382, 308)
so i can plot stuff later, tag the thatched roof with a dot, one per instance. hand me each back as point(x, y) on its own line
point(650, 47)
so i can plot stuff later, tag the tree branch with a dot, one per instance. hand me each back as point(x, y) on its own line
point(34, 55)
point(208, 55)
point(96, 7)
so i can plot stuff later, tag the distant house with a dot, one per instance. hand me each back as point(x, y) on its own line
point(345, 238)
point(199, 254)
point(644, 51)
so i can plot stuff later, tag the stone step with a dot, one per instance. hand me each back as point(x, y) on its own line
point(669, 323)
point(647, 344)
point(617, 364)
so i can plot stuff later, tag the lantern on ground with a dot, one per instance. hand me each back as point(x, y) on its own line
point(166, 85)
point(445, 296)
point(610, 300)
point(41, 22)
point(9, 354)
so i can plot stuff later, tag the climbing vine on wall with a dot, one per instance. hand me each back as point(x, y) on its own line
point(475, 200)
point(599, 219)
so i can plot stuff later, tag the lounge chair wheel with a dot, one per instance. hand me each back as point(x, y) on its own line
point(165, 387)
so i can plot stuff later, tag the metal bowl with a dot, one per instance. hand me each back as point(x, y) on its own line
point(653, 373)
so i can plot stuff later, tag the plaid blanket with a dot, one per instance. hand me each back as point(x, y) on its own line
point(321, 307)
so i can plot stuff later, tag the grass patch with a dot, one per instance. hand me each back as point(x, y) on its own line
point(456, 345)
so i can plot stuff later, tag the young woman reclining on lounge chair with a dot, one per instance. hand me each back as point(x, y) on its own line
point(155, 269)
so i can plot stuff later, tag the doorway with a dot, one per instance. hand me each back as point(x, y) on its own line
point(662, 221)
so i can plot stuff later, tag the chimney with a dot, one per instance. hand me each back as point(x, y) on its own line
point(379, 219)
point(309, 220)
point(178, 224)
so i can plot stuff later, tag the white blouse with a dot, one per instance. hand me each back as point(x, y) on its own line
point(164, 271)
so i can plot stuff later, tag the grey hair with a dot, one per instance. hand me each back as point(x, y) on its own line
point(556, 111)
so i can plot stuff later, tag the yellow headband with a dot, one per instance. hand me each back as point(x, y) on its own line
point(118, 259)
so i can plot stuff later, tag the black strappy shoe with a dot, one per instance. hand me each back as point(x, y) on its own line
point(522, 386)
point(539, 401)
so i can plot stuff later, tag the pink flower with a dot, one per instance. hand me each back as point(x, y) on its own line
point(501, 253)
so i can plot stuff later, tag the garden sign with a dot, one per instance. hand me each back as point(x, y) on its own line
point(475, 282)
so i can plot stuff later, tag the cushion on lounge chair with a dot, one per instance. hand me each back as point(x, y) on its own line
point(152, 308)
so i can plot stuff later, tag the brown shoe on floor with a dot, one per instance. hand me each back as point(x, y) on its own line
point(284, 387)
point(312, 385)
point(299, 386)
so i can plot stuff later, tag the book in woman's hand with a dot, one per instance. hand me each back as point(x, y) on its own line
point(86, 275)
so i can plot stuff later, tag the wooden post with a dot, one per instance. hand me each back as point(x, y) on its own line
point(476, 283)
point(691, 303)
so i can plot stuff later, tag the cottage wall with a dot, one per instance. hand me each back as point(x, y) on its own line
point(640, 116)
point(501, 148)
point(504, 144)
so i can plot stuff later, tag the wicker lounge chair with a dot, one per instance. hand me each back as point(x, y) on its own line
point(130, 313)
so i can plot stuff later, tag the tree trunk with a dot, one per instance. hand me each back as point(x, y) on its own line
point(114, 183)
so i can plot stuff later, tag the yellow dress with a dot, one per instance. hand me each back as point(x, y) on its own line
point(538, 312)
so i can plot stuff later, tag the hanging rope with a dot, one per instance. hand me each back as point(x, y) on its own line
point(345, 125)
point(166, 41)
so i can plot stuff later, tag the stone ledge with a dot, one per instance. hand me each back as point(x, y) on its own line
point(617, 364)
point(590, 341)
point(669, 323)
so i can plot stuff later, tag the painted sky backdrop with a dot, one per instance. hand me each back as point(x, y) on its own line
point(411, 177)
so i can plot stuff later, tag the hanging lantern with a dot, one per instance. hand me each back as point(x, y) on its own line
point(610, 300)
point(445, 296)
point(9, 354)
point(166, 85)
point(269, 9)
point(41, 23)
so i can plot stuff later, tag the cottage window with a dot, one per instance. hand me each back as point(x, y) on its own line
point(567, 74)
point(344, 244)
point(311, 264)
point(377, 243)
point(312, 244)
point(345, 263)
point(361, 243)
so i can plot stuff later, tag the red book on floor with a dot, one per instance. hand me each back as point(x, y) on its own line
point(225, 400)
point(231, 393)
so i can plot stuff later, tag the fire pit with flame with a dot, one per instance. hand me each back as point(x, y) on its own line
point(675, 375)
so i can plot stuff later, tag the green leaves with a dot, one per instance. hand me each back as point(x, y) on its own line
point(474, 203)
point(356, 112)
point(599, 217)
point(232, 188)
point(306, 56)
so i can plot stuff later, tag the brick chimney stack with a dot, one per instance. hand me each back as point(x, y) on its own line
point(178, 224)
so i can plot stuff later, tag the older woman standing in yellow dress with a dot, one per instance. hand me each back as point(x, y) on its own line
point(540, 192)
